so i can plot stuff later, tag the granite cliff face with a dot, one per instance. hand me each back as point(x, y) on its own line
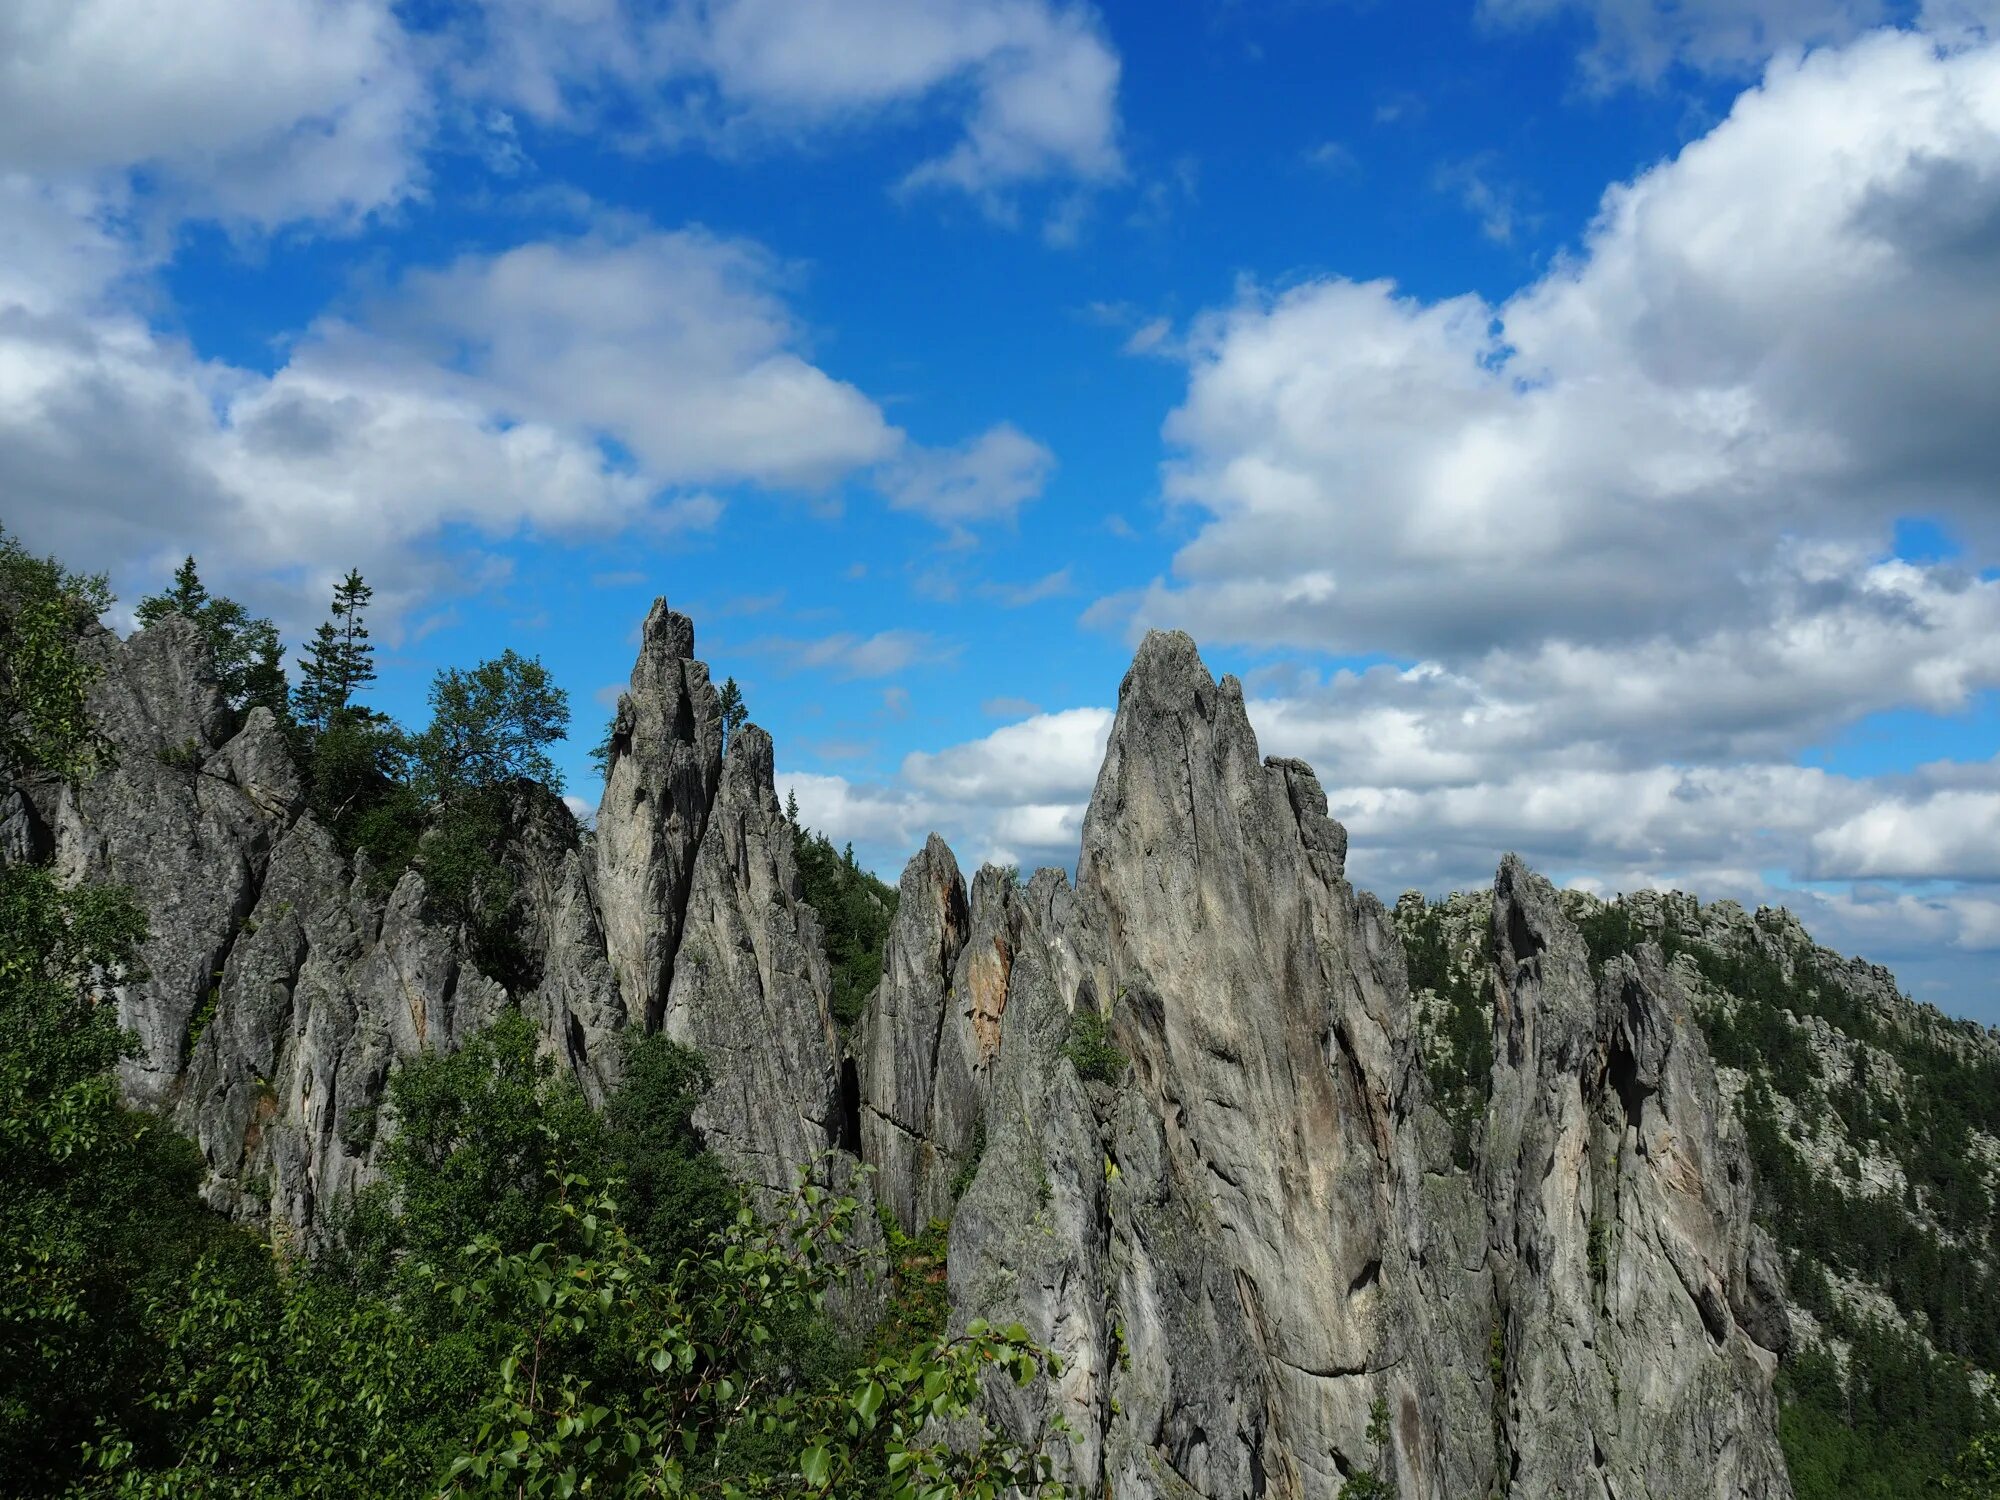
point(1248, 1232)
point(1256, 1238)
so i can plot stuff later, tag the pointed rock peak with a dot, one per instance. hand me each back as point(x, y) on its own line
point(931, 918)
point(1538, 949)
point(667, 632)
point(1167, 671)
point(1527, 912)
point(931, 861)
point(931, 894)
point(1168, 679)
point(751, 763)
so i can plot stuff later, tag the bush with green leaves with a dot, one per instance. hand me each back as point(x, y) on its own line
point(494, 1327)
point(45, 724)
point(706, 1405)
point(98, 1213)
point(1090, 1048)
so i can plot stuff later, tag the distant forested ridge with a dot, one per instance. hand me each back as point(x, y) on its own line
point(1874, 1131)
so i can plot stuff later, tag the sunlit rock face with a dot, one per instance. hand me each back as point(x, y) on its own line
point(1245, 1230)
point(1252, 1237)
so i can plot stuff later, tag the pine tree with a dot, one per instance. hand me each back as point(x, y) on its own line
point(733, 711)
point(357, 657)
point(187, 597)
point(340, 660)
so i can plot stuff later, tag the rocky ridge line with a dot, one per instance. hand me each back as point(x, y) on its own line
point(1241, 1242)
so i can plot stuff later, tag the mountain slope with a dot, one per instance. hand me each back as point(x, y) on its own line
point(1873, 1125)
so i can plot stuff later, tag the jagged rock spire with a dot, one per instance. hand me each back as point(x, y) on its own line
point(666, 757)
point(750, 986)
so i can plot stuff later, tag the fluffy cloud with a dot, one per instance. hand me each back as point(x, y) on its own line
point(677, 345)
point(1760, 340)
point(1032, 83)
point(1015, 796)
point(313, 109)
point(324, 109)
point(989, 478)
point(564, 386)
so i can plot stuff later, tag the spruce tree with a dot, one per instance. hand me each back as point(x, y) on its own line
point(357, 657)
point(187, 597)
point(340, 660)
point(733, 711)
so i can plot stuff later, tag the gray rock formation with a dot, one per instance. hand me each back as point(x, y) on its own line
point(899, 1042)
point(1244, 1236)
point(1256, 1237)
point(750, 986)
point(185, 819)
point(666, 757)
point(1620, 1209)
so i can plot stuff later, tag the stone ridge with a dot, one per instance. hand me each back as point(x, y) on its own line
point(1245, 1231)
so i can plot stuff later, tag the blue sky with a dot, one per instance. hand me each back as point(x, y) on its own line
point(1570, 417)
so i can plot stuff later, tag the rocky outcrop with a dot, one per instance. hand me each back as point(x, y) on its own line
point(914, 1144)
point(666, 757)
point(1620, 1203)
point(1253, 987)
point(750, 989)
point(1267, 1262)
point(283, 982)
point(185, 818)
point(1253, 1242)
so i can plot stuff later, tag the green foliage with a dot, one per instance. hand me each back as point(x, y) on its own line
point(733, 709)
point(854, 910)
point(676, 1197)
point(278, 1384)
point(1888, 1428)
point(697, 1401)
point(478, 1132)
point(1369, 1484)
point(44, 683)
point(492, 1327)
point(245, 647)
point(1461, 1073)
point(358, 770)
point(920, 1291)
point(98, 1213)
point(1609, 929)
point(490, 726)
point(1975, 1473)
point(469, 881)
point(600, 753)
point(340, 661)
point(1089, 1047)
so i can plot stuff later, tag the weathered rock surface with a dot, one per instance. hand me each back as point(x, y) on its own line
point(183, 820)
point(1244, 1236)
point(899, 1042)
point(750, 990)
point(666, 757)
point(1256, 1238)
point(1620, 1202)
